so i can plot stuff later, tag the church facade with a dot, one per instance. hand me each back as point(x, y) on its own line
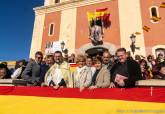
point(137, 25)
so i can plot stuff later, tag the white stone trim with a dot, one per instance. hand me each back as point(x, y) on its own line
point(68, 28)
point(131, 22)
point(37, 35)
point(66, 5)
point(156, 47)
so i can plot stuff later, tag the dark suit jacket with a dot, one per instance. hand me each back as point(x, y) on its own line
point(134, 73)
point(44, 69)
point(32, 73)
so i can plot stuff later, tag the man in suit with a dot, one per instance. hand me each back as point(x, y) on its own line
point(33, 70)
point(126, 72)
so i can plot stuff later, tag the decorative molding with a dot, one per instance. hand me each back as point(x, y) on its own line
point(66, 5)
point(111, 47)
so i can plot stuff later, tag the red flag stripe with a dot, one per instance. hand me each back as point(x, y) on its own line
point(102, 9)
point(131, 94)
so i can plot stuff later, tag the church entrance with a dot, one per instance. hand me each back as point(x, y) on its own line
point(95, 51)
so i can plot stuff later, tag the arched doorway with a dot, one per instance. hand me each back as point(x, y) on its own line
point(158, 49)
point(95, 51)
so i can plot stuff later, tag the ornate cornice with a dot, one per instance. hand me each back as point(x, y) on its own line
point(66, 5)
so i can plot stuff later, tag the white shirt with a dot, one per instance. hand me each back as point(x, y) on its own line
point(16, 73)
point(57, 77)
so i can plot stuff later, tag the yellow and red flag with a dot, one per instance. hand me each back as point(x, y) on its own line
point(146, 28)
point(156, 18)
point(137, 33)
point(91, 16)
point(162, 5)
point(101, 9)
point(46, 100)
point(102, 13)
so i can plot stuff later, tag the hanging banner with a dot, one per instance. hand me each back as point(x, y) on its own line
point(46, 100)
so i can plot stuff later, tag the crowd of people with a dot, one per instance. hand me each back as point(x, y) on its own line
point(100, 71)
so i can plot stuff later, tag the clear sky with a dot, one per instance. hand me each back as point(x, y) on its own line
point(16, 26)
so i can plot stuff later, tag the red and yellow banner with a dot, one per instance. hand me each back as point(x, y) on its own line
point(102, 14)
point(46, 100)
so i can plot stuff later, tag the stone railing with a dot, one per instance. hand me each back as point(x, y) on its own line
point(151, 83)
point(140, 83)
point(12, 82)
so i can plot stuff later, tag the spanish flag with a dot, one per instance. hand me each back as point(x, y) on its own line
point(101, 9)
point(91, 16)
point(46, 100)
point(137, 33)
point(102, 13)
point(146, 28)
point(99, 14)
point(162, 5)
point(156, 18)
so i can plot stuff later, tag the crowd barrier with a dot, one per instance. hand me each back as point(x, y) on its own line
point(140, 83)
point(47, 100)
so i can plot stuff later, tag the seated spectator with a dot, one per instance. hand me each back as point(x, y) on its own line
point(146, 71)
point(19, 68)
point(101, 77)
point(5, 73)
point(59, 73)
point(8, 75)
point(83, 75)
point(161, 74)
point(126, 72)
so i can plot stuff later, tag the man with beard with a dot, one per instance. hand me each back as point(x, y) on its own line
point(107, 60)
point(59, 74)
